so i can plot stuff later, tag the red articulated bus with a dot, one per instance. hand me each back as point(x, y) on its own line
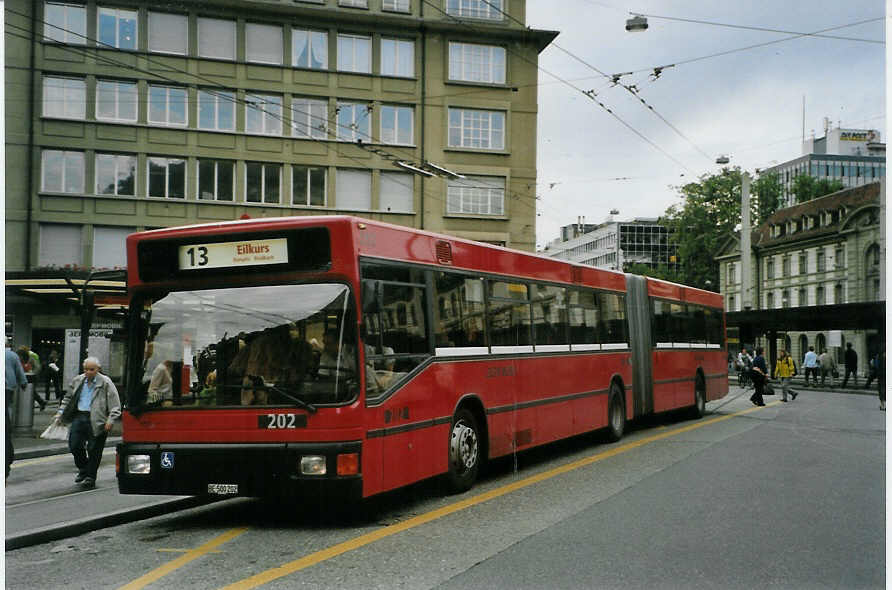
point(276, 357)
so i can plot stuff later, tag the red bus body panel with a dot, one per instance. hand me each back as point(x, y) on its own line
point(527, 400)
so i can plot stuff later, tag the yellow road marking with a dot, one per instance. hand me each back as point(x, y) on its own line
point(158, 573)
point(183, 551)
point(363, 540)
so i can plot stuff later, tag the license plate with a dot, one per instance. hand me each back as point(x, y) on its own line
point(222, 488)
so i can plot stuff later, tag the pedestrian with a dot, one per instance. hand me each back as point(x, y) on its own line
point(811, 364)
point(872, 370)
point(881, 378)
point(851, 365)
point(28, 364)
point(53, 376)
point(746, 366)
point(784, 370)
point(828, 367)
point(15, 379)
point(91, 407)
point(759, 374)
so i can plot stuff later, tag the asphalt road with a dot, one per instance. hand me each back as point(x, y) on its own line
point(786, 496)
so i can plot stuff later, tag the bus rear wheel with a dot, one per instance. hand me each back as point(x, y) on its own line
point(699, 408)
point(616, 414)
point(464, 452)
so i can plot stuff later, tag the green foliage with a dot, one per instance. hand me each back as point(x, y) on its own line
point(707, 216)
point(767, 193)
point(805, 188)
point(661, 272)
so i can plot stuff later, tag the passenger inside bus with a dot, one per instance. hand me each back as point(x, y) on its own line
point(275, 356)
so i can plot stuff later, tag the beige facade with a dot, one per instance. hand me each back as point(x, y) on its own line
point(826, 251)
point(135, 115)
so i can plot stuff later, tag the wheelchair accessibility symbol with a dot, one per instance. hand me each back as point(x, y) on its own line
point(167, 460)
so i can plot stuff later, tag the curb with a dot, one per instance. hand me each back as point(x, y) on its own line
point(54, 449)
point(78, 527)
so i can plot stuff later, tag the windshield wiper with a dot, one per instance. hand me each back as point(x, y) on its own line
point(300, 403)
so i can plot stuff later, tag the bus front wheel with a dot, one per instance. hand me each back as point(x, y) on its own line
point(464, 452)
point(616, 414)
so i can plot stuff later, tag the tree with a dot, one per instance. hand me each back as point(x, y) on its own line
point(767, 193)
point(805, 187)
point(709, 213)
point(661, 272)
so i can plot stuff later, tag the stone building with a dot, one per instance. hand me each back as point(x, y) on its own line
point(131, 115)
point(823, 252)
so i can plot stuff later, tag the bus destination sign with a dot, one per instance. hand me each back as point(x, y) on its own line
point(233, 254)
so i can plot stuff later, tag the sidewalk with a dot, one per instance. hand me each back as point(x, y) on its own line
point(28, 446)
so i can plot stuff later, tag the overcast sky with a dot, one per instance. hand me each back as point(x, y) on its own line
point(746, 104)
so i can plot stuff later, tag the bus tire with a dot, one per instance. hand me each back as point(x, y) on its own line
point(464, 452)
point(698, 410)
point(616, 414)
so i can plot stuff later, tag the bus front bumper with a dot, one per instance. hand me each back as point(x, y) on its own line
point(240, 469)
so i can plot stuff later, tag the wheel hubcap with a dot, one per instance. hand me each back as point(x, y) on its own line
point(463, 446)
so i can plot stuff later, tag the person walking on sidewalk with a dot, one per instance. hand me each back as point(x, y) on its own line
point(28, 363)
point(759, 375)
point(784, 370)
point(828, 367)
point(15, 379)
point(91, 407)
point(851, 365)
point(811, 365)
point(53, 376)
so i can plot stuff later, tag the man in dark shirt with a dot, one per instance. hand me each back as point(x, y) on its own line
point(851, 365)
point(759, 374)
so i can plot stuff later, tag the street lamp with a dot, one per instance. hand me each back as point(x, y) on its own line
point(636, 24)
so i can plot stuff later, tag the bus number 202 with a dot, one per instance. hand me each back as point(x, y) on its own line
point(280, 421)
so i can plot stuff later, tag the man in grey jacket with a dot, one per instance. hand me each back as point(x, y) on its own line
point(91, 407)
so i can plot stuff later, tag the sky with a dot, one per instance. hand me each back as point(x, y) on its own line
point(747, 105)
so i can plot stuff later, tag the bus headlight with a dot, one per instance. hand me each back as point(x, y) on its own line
point(139, 464)
point(312, 465)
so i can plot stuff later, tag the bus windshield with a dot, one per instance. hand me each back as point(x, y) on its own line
point(279, 345)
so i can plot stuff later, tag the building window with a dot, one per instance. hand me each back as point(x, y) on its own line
point(117, 28)
point(216, 38)
point(839, 258)
point(469, 62)
point(473, 128)
point(397, 125)
point(116, 101)
point(216, 110)
point(309, 49)
point(397, 192)
point(838, 294)
point(731, 303)
point(65, 98)
point(729, 274)
point(769, 298)
point(785, 266)
point(354, 3)
point(263, 43)
point(262, 182)
point(167, 106)
point(62, 172)
point(354, 54)
point(397, 58)
point(216, 180)
point(803, 297)
point(167, 177)
point(65, 23)
point(168, 33)
point(481, 195)
point(263, 114)
point(115, 174)
point(309, 118)
point(395, 5)
point(60, 245)
point(308, 184)
point(110, 246)
point(353, 121)
point(803, 263)
point(785, 298)
point(354, 189)
point(822, 265)
point(820, 299)
point(485, 9)
point(769, 267)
